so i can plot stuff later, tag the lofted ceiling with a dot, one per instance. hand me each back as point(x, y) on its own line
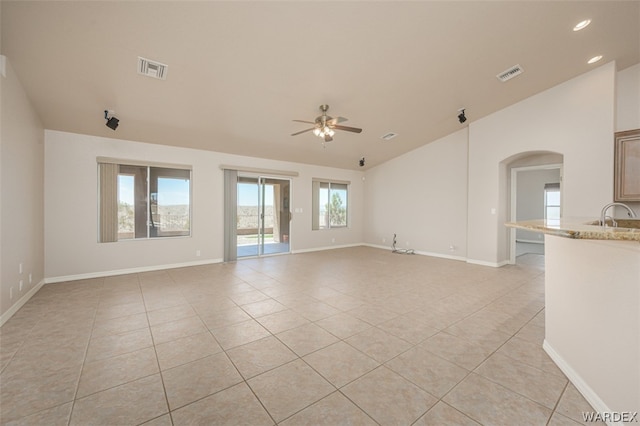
point(239, 72)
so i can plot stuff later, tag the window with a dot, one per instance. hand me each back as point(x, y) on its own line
point(330, 204)
point(143, 201)
point(552, 201)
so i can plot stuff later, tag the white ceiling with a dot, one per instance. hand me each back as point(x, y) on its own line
point(240, 71)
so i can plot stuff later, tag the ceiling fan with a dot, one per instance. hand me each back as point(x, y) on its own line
point(324, 125)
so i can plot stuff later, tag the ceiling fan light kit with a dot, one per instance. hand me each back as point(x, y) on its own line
point(324, 126)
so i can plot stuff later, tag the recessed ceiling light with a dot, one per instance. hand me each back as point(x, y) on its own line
point(582, 25)
point(594, 59)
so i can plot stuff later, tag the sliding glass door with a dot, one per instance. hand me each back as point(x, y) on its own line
point(262, 216)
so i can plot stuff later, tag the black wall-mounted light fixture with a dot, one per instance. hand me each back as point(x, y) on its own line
point(461, 117)
point(361, 162)
point(112, 122)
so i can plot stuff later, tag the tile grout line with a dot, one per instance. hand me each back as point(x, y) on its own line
point(155, 350)
point(84, 360)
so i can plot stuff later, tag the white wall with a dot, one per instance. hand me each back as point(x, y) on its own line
point(71, 205)
point(628, 99)
point(628, 109)
point(22, 195)
point(592, 318)
point(422, 197)
point(530, 199)
point(575, 119)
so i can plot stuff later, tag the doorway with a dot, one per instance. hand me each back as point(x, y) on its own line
point(535, 194)
point(263, 217)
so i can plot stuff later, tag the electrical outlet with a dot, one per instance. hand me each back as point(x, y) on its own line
point(21, 283)
point(333, 240)
point(20, 268)
point(198, 253)
point(407, 243)
point(384, 240)
point(30, 278)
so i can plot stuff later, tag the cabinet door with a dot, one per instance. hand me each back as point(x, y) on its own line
point(627, 166)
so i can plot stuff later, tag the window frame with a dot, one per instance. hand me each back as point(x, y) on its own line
point(151, 169)
point(552, 188)
point(316, 222)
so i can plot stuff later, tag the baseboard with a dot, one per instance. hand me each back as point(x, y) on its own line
point(530, 241)
point(20, 303)
point(326, 248)
point(101, 274)
point(592, 398)
point(485, 263)
point(446, 256)
point(421, 253)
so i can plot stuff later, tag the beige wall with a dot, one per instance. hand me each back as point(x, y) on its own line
point(22, 195)
point(422, 197)
point(628, 109)
point(592, 321)
point(575, 119)
point(628, 99)
point(71, 205)
point(530, 199)
point(435, 197)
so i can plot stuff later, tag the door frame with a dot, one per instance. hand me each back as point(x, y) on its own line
point(262, 179)
point(514, 196)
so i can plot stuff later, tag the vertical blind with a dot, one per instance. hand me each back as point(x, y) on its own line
point(108, 189)
point(230, 215)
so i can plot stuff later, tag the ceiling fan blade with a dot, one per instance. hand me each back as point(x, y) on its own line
point(336, 120)
point(303, 121)
point(347, 128)
point(302, 131)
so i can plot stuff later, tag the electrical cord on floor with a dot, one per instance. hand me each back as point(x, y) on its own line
point(400, 251)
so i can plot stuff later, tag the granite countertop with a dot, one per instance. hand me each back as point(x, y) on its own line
point(581, 228)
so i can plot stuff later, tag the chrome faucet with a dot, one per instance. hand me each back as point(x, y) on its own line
point(603, 214)
point(613, 221)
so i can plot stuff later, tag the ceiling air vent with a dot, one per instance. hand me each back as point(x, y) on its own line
point(388, 136)
point(510, 73)
point(152, 68)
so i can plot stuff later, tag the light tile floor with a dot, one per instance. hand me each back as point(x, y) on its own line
point(348, 336)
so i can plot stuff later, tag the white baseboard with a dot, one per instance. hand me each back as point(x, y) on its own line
point(20, 303)
point(592, 398)
point(325, 248)
point(441, 255)
point(421, 253)
point(377, 246)
point(529, 241)
point(28, 295)
point(485, 263)
point(129, 271)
